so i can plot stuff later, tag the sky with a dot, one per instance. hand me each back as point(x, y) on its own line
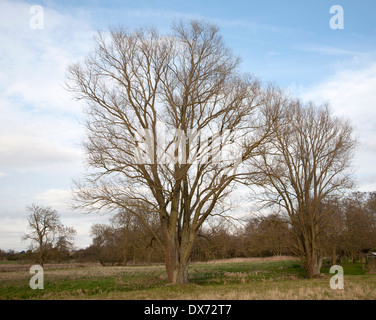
point(295, 44)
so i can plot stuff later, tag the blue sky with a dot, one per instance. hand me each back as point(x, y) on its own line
point(286, 42)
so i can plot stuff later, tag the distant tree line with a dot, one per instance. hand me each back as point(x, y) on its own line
point(348, 232)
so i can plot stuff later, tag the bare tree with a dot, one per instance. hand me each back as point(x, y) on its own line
point(307, 163)
point(169, 121)
point(47, 231)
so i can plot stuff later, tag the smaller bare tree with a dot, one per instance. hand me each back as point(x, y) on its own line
point(46, 230)
point(306, 164)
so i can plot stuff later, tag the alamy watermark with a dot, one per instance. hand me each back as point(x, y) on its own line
point(37, 280)
point(336, 282)
point(37, 17)
point(166, 146)
point(337, 21)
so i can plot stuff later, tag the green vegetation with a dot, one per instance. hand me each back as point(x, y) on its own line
point(255, 278)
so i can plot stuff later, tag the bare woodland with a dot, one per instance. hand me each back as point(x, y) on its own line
point(174, 127)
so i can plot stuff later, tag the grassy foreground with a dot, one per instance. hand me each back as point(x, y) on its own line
point(237, 279)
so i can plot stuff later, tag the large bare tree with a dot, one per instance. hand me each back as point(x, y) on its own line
point(308, 162)
point(170, 120)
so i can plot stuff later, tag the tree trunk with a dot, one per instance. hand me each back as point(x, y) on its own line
point(134, 254)
point(177, 269)
point(42, 255)
point(125, 257)
point(181, 273)
point(312, 263)
point(149, 253)
point(334, 256)
point(170, 259)
point(177, 259)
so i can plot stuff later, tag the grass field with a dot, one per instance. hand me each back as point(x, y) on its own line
point(237, 279)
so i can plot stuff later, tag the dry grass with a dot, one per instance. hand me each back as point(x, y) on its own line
point(275, 278)
point(300, 291)
point(246, 260)
point(293, 290)
point(26, 266)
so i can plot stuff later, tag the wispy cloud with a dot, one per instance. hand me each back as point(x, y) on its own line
point(33, 62)
point(351, 93)
point(150, 16)
point(272, 53)
point(328, 50)
point(60, 199)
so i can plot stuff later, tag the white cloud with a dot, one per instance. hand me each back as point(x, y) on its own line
point(23, 151)
point(30, 140)
point(33, 62)
point(59, 199)
point(38, 124)
point(39, 130)
point(11, 232)
point(351, 93)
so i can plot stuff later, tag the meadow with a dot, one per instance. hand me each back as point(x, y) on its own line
point(274, 278)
